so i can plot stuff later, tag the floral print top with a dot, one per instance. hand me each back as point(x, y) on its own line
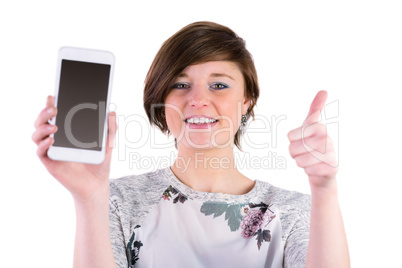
point(157, 221)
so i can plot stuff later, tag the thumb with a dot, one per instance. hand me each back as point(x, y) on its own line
point(315, 108)
point(111, 133)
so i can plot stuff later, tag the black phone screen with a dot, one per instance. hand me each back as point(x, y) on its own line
point(81, 105)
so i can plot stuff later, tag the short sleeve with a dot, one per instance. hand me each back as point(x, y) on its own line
point(295, 251)
point(117, 236)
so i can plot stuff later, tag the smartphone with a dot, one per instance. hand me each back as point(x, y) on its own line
point(83, 91)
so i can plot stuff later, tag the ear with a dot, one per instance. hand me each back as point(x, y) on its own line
point(245, 105)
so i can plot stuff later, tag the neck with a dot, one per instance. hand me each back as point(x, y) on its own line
point(211, 170)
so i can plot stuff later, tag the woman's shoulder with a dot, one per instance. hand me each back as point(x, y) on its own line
point(138, 178)
point(291, 207)
point(145, 184)
point(283, 198)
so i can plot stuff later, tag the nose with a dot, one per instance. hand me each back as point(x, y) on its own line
point(200, 96)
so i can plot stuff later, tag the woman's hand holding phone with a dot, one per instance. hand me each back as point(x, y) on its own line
point(89, 185)
point(84, 181)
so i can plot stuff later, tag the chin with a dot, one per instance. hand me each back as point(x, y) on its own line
point(205, 143)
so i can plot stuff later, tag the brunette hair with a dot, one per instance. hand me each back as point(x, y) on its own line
point(196, 43)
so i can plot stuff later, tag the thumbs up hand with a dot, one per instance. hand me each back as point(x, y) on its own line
point(312, 149)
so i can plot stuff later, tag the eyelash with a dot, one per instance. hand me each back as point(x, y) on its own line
point(213, 85)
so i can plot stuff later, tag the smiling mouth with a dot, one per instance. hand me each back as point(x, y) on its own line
point(200, 121)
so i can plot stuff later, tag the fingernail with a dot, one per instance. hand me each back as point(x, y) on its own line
point(50, 128)
point(49, 110)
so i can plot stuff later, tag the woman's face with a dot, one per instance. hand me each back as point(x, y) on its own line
point(204, 108)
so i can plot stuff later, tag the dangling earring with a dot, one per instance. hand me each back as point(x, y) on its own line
point(243, 125)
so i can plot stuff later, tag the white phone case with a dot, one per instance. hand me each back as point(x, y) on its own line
point(72, 149)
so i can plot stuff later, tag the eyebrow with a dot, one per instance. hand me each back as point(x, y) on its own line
point(212, 75)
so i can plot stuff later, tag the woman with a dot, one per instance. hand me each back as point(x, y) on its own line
point(202, 212)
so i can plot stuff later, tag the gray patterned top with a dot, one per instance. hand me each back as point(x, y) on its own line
point(156, 220)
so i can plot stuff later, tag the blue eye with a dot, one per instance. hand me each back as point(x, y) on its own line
point(219, 86)
point(181, 85)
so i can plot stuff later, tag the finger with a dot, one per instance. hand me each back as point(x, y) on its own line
point(304, 132)
point(313, 158)
point(306, 160)
point(322, 170)
point(50, 101)
point(112, 129)
point(43, 132)
point(315, 108)
point(45, 112)
point(43, 146)
point(313, 144)
point(45, 115)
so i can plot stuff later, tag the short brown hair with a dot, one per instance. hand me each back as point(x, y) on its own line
point(198, 42)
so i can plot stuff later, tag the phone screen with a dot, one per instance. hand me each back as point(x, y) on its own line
point(81, 105)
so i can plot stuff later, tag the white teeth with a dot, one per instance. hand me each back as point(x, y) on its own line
point(200, 120)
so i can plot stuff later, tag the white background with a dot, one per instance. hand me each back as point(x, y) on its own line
point(352, 49)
